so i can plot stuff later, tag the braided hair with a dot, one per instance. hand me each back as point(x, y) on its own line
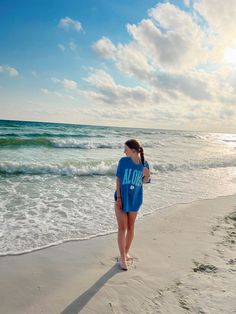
point(134, 144)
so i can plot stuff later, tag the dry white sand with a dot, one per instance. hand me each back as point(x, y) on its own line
point(184, 262)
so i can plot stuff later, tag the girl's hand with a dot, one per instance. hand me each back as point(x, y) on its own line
point(119, 202)
point(146, 172)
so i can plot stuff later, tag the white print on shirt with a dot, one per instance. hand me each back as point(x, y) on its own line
point(133, 177)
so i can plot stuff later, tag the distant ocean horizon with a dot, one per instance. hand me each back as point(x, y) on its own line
point(57, 179)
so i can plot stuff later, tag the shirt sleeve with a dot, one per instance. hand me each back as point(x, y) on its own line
point(118, 171)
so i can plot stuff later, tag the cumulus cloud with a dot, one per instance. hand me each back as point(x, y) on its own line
point(220, 17)
point(108, 92)
point(194, 85)
point(104, 48)
point(170, 40)
point(132, 61)
point(67, 23)
point(175, 100)
point(9, 70)
point(177, 55)
point(128, 58)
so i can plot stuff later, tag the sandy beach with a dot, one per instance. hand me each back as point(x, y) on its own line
point(184, 261)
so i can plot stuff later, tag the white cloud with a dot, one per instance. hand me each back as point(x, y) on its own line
point(219, 16)
point(128, 58)
point(131, 60)
point(220, 19)
point(187, 3)
point(67, 23)
point(109, 93)
point(68, 84)
point(194, 85)
point(56, 93)
point(104, 48)
point(9, 70)
point(172, 101)
point(173, 53)
point(170, 38)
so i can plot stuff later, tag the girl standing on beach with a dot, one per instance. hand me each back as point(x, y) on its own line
point(132, 172)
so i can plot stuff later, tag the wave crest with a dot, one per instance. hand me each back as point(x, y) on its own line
point(158, 167)
point(56, 143)
point(83, 169)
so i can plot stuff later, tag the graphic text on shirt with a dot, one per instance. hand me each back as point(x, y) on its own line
point(132, 177)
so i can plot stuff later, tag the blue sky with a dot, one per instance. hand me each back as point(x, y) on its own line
point(161, 64)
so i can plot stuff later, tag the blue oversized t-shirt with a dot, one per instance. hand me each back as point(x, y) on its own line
point(131, 183)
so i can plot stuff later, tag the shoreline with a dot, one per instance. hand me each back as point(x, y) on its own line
point(108, 233)
point(83, 276)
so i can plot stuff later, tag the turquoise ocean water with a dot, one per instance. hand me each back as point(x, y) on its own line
point(57, 180)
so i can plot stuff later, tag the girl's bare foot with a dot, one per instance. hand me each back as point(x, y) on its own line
point(123, 264)
point(128, 257)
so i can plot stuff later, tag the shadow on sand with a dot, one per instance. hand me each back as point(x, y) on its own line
point(77, 305)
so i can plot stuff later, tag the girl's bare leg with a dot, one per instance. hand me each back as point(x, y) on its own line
point(122, 220)
point(130, 231)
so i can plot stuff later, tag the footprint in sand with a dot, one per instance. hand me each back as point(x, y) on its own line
point(207, 268)
point(231, 261)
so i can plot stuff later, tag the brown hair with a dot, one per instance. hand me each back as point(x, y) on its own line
point(134, 144)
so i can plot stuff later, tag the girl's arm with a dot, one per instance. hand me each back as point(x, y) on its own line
point(119, 200)
point(146, 175)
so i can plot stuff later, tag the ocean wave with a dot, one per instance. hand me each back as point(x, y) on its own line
point(158, 167)
point(191, 136)
point(72, 143)
point(56, 143)
point(103, 168)
point(80, 169)
point(46, 135)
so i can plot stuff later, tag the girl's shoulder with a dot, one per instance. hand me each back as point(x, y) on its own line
point(124, 159)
